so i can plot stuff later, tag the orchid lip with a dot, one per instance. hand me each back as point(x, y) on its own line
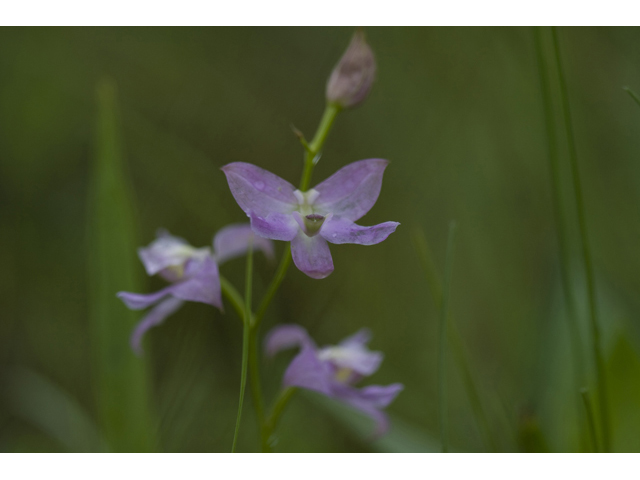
point(312, 223)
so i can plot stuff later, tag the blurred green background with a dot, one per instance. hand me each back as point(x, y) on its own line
point(107, 134)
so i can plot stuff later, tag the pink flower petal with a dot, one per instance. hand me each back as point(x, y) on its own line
point(311, 255)
point(276, 226)
point(351, 191)
point(339, 230)
point(258, 191)
point(155, 317)
point(233, 241)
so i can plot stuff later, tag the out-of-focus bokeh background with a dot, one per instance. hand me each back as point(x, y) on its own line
point(107, 134)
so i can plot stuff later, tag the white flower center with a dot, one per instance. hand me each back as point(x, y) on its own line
point(309, 221)
point(306, 200)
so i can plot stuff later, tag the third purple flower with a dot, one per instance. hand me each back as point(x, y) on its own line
point(325, 213)
point(333, 370)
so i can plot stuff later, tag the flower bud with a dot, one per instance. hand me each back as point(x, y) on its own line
point(353, 76)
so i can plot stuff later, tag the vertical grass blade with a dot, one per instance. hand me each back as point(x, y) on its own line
point(246, 333)
point(457, 344)
point(560, 219)
point(121, 382)
point(586, 250)
point(52, 409)
point(442, 364)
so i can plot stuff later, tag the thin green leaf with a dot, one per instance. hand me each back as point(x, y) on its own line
point(53, 410)
point(246, 330)
point(442, 351)
point(121, 378)
point(633, 94)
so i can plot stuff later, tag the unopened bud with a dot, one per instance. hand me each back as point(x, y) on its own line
point(353, 76)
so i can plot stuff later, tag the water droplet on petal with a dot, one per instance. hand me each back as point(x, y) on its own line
point(334, 235)
point(259, 185)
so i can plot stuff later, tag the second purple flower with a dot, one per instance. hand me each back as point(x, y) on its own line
point(325, 213)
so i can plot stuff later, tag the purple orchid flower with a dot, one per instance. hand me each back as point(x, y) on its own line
point(193, 273)
point(325, 213)
point(333, 370)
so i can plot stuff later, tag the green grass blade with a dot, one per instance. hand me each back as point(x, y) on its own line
point(633, 94)
point(588, 407)
point(560, 220)
point(586, 248)
point(121, 378)
point(455, 339)
point(246, 330)
point(51, 409)
point(442, 364)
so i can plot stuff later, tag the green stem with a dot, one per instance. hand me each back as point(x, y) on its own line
point(559, 216)
point(233, 296)
point(560, 220)
point(444, 313)
point(273, 286)
point(245, 340)
point(274, 417)
point(590, 418)
point(313, 149)
point(254, 378)
point(586, 253)
point(633, 94)
point(236, 300)
point(435, 288)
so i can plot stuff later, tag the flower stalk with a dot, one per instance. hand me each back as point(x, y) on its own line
point(267, 426)
point(313, 149)
point(308, 218)
point(246, 332)
point(276, 412)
